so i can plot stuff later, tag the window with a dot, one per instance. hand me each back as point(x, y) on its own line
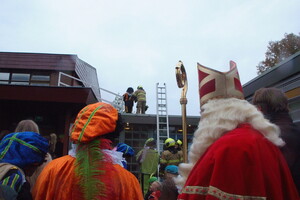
point(4, 77)
point(20, 79)
point(37, 79)
point(24, 79)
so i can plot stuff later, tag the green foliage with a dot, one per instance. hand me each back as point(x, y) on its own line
point(88, 165)
point(279, 51)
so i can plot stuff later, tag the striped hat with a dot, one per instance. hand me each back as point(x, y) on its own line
point(93, 121)
point(23, 149)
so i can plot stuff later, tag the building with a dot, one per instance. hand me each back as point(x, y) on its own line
point(285, 76)
point(40, 87)
point(52, 88)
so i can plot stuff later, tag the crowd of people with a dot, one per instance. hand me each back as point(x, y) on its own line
point(241, 150)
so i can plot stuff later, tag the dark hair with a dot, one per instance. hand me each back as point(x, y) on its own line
point(129, 90)
point(270, 100)
point(119, 128)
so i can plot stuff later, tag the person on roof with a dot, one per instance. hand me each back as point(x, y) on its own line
point(129, 99)
point(140, 96)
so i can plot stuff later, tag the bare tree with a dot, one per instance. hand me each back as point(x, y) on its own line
point(279, 50)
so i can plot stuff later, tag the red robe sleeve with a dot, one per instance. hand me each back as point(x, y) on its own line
point(240, 165)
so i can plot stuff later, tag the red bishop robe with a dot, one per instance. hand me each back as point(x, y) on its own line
point(242, 164)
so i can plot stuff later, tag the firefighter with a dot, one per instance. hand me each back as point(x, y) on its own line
point(140, 95)
point(170, 156)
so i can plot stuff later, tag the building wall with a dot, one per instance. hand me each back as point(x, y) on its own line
point(138, 128)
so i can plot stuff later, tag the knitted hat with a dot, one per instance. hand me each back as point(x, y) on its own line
point(214, 84)
point(93, 121)
point(126, 149)
point(173, 169)
point(24, 148)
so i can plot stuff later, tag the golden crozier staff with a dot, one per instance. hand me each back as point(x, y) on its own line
point(182, 83)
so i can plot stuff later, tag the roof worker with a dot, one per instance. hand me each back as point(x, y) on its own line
point(128, 99)
point(140, 96)
point(96, 171)
point(170, 156)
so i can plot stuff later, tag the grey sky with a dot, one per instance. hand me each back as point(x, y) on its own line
point(139, 42)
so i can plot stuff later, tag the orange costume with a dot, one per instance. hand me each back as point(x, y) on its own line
point(95, 171)
point(55, 183)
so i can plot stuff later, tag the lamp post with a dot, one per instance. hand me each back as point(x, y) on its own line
point(182, 83)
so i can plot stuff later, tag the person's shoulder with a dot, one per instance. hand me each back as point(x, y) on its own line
point(153, 150)
point(166, 152)
point(61, 162)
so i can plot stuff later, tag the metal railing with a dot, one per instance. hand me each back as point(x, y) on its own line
point(118, 102)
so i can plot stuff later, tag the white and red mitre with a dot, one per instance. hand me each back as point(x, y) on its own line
point(214, 84)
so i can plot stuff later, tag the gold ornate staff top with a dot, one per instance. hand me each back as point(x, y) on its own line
point(182, 83)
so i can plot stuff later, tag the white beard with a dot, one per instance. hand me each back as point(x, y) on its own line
point(220, 116)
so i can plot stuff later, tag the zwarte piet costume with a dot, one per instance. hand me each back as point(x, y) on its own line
point(96, 172)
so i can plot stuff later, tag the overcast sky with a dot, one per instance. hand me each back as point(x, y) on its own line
point(139, 42)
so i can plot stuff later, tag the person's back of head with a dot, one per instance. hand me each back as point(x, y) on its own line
point(125, 149)
point(98, 120)
point(23, 149)
point(130, 90)
point(171, 171)
point(27, 125)
point(96, 125)
point(270, 100)
point(150, 142)
point(170, 142)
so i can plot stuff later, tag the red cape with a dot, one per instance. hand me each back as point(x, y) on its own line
point(242, 164)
